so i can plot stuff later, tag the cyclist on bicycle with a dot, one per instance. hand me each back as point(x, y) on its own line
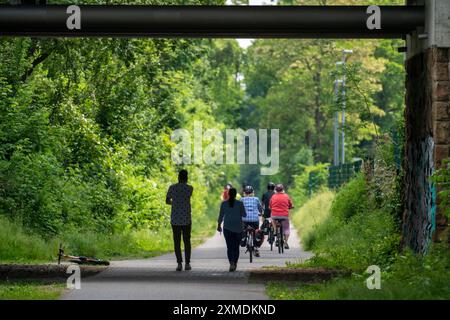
point(253, 208)
point(280, 204)
point(266, 199)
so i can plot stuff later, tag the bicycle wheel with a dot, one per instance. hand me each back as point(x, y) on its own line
point(281, 238)
point(250, 247)
point(270, 238)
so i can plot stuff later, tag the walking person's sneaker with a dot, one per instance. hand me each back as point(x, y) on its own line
point(187, 267)
point(286, 246)
point(232, 267)
point(256, 253)
point(179, 267)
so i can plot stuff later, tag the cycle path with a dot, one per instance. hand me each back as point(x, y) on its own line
point(209, 279)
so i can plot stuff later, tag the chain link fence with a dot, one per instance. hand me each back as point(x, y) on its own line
point(341, 174)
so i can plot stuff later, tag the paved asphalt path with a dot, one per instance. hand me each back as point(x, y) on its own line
point(209, 279)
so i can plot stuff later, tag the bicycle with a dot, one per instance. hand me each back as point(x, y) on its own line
point(250, 242)
point(79, 259)
point(279, 235)
point(271, 237)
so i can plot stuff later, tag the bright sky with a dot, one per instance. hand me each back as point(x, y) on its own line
point(244, 43)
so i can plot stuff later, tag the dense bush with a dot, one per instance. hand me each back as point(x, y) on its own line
point(85, 150)
point(367, 238)
point(353, 229)
point(441, 178)
point(351, 199)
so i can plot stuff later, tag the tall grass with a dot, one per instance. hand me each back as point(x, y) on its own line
point(19, 245)
point(311, 215)
point(347, 230)
point(139, 243)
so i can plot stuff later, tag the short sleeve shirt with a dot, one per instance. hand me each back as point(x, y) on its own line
point(180, 195)
point(280, 203)
point(252, 208)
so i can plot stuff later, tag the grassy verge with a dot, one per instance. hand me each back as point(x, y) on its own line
point(409, 277)
point(30, 290)
point(352, 230)
point(18, 245)
point(312, 214)
point(346, 230)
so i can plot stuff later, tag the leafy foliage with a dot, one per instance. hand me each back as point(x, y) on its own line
point(442, 179)
point(290, 86)
point(85, 130)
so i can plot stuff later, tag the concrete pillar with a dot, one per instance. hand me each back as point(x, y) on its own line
point(427, 117)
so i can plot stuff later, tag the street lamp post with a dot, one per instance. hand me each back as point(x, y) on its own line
point(336, 124)
point(343, 63)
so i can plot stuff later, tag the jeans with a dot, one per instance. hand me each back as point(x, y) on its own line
point(233, 240)
point(186, 231)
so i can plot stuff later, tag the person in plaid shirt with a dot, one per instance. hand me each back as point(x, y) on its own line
point(253, 208)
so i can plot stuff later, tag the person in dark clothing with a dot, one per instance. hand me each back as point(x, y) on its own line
point(231, 213)
point(179, 197)
point(266, 200)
